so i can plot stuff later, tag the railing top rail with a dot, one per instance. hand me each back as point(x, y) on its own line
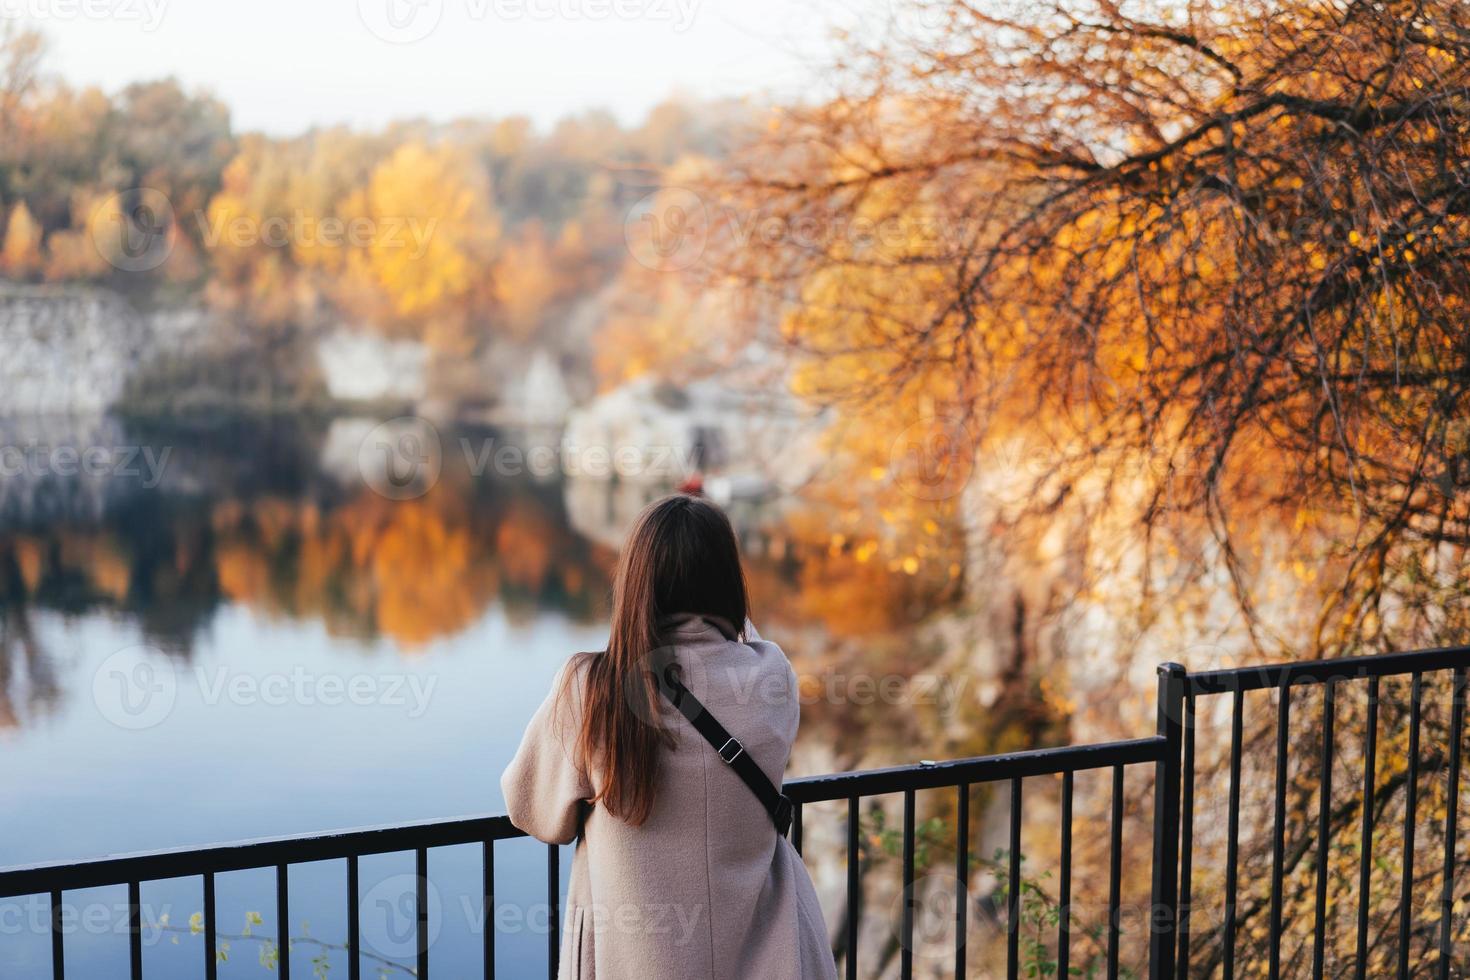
point(982, 769)
point(260, 853)
point(298, 849)
point(1320, 671)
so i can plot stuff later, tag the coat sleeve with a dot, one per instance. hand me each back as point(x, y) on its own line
point(545, 785)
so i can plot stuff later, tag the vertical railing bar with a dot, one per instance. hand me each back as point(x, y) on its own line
point(1013, 887)
point(1447, 887)
point(487, 867)
point(1365, 842)
point(1324, 829)
point(1115, 872)
point(135, 930)
point(854, 885)
point(283, 919)
point(962, 876)
point(906, 935)
point(1278, 832)
point(1232, 837)
point(1411, 801)
point(1064, 886)
point(796, 827)
point(211, 936)
point(354, 927)
point(58, 951)
point(1163, 917)
point(553, 899)
point(1186, 849)
point(421, 909)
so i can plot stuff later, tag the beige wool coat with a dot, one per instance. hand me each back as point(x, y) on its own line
point(704, 888)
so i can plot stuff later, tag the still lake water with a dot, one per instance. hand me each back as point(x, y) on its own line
point(227, 633)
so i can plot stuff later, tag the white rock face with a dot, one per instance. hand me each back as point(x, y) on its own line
point(74, 350)
point(646, 430)
point(541, 398)
point(642, 439)
point(358, 366)
point(1079, 614)
point(66, 352)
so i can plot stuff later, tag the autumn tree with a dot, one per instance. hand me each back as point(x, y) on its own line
point(21, 255)
point(20, 58)
point(525, 281)
point(276, 230)
point(140, 160)
point(1215, 254)
point(431, 232)
point(1187, 281)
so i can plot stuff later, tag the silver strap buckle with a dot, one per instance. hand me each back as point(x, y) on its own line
point(739, 749)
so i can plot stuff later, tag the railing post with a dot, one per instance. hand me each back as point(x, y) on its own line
point(1164, 900)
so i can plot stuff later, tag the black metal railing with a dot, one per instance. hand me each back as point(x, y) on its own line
point(282, 853)
point(1171, 751)
point(962, 775)
point(1331, 675)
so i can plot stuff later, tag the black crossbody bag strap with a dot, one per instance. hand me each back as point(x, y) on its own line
point(729, 749)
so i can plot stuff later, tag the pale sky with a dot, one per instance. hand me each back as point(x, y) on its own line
point(284, 65)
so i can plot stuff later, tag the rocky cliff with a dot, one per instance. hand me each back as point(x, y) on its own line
point(85, 350)
point(65, 351)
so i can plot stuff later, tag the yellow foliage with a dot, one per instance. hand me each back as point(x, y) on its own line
point(21, 256)
point(430, 235)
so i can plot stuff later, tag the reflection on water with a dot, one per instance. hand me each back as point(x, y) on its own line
point(158, 531)
point(172, 527)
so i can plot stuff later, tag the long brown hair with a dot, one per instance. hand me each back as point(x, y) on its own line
point(681, 557)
